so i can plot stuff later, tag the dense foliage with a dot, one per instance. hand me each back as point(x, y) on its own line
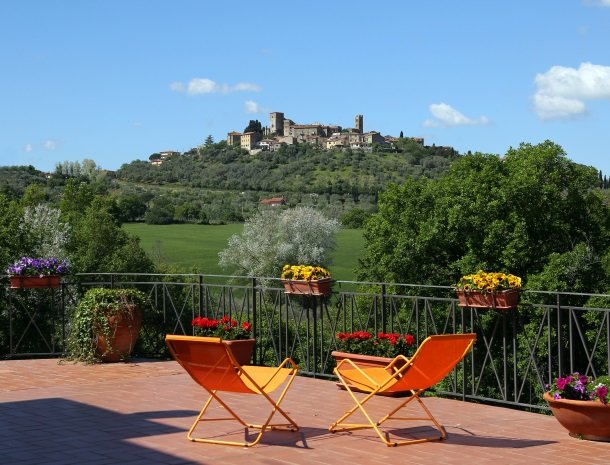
point(533, 213)
point(15, 179)
point(296, 168)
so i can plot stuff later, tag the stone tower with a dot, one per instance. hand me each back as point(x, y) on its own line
point(276, 123)
point(359, 123)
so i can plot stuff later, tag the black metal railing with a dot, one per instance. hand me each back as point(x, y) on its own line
point(517, 352)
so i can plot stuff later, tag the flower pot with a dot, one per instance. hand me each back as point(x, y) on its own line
point(313, 287)
point(32, 282)
point(585, 419)
point(242, 349)
point(362, 360)
point(124, 332)
point(501, 300)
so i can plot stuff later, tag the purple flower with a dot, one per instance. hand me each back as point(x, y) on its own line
point(28, 266)
point(580, 387)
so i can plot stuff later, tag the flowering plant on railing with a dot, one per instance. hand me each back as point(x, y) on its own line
point(383, 345)
point(225, 328)
point(27, 266)
point(483, 281)
point(581, 387)
point(304, 272)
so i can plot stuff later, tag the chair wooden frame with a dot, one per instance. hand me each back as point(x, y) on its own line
point(434, 359)
point(212, 365)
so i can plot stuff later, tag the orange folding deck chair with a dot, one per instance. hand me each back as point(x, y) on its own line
point(433, 360)
point(212, 365)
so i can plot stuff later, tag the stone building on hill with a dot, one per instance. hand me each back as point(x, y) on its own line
point(282, 130)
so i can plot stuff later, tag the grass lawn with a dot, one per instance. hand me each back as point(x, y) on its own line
point(192, 246)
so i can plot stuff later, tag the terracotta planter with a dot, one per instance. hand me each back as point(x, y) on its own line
point(367, 361)
point(585, 419)
point(32, 282)
point(313, 287)
point(242, 350)
point(124, 332)
point(502, 300)
point(360, 359)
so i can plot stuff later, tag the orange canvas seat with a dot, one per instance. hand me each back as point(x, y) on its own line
point(433, 360)
point(211, 364)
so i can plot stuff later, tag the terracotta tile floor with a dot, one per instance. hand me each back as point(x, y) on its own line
point(139, 413)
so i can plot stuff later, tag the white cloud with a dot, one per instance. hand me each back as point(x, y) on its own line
point(199, 86)
point(50, 144)
point(245, 87)
point(562, 91)
point(202, 86)
point(447, 116)
point(251, 108)
point(555, 107)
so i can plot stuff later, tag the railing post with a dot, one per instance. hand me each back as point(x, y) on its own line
point(313, 306)
point(254, 319)
point(559, 351)
point(383, 310)
point(200, 293)
point(608, 340)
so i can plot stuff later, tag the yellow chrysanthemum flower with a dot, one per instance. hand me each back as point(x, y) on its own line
point(304, 272)
point(488, 282)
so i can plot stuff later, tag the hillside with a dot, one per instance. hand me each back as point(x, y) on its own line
point(218, 184)
point(296, 168)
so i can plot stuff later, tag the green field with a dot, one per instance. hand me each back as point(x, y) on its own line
point(192, 246)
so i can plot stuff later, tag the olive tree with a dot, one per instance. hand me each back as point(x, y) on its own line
point(44, 231)
point(273, 238)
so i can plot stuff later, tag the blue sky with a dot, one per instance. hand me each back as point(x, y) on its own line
point(115, 81)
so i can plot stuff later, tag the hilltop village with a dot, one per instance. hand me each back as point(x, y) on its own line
point(282, 130)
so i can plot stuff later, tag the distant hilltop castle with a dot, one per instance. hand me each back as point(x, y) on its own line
point(282, 130)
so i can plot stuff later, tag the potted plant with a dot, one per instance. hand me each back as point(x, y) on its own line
point(580, 404)
point(365, 349)
point(28, 272)
point(306, 280)
point(105, 324)
point(489, 290)
point(237, 336)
